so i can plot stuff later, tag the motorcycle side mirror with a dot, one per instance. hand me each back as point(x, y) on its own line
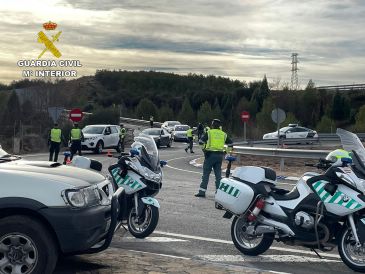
point(163, 163)
point(134, 152)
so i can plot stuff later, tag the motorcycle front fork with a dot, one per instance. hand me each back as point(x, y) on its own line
point(353, 228)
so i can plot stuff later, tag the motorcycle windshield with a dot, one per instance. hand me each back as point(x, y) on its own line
point(149, 154)
point(351, 142)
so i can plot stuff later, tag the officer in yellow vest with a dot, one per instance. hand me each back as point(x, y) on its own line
point(122, 134)
point(54, 141)
point(190, 135)
point(213, 141)
point(76, 137)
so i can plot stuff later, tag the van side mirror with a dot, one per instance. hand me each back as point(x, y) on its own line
point(163, 163)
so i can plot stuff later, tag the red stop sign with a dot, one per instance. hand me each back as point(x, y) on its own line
point(245, 116)
point(76, 115)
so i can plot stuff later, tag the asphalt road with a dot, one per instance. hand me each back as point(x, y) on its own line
point(191, 227)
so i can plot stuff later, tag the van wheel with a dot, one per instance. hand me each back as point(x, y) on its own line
point(26, 246)
point(99, 147)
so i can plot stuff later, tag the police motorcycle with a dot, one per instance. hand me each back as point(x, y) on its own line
point(322, 211)
point(139, 173)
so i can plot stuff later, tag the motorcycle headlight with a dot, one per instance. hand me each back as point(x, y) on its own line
point(83, 197)
point(150, 175)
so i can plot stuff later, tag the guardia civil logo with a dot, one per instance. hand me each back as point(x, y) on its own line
point(47, 42)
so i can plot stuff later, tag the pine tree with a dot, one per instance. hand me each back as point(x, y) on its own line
point(205, 114)
point(360, 120)
point(261, 93)
point(145, 109)
point(165, 113)
point(187, 114)
point(216, 111)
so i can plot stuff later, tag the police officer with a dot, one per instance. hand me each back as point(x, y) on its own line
point(151, 121)
point(122, 134)
point(54, 141)
point(190, 135)
point(213, 141)
point(76, 137)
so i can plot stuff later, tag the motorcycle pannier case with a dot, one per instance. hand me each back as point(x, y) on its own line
point(234, 195)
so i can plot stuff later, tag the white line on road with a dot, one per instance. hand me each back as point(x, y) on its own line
point(265, 259)
point(159, 254)
point(153, 239)
point(230, 242)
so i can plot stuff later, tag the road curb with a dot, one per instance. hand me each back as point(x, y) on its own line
point(280, 178)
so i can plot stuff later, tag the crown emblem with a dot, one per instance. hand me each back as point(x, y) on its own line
point(49, 26)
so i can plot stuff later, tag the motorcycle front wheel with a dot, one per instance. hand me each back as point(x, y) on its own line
point(248, 244)
point(146, 223)
point(351, 254)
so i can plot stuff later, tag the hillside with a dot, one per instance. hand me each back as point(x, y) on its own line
point(190, 98)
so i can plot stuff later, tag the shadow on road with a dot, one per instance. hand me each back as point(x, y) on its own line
point(76, 264)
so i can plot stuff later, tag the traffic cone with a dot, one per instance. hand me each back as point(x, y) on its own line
point(109, 154)
point(68, 161)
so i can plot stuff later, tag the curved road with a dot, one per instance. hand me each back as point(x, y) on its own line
point(192, 227)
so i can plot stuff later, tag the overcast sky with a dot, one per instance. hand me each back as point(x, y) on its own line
point(241, 39)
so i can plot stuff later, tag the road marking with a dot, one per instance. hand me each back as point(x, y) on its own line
point(190, 171)
point(265, 259)
point(159, 254)
point(153, 239)
point(230, 242)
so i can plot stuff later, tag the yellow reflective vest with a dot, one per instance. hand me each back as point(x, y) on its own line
point(189, 133)
point(56, 135)
point(75, 134)
point(216, 140)
point(122, 132)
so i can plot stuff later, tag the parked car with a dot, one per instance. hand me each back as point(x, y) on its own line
point(169, 125)
point(292, 131)
point(99, 137)
point(160, 135)
point(179, 133)
point(48, 209)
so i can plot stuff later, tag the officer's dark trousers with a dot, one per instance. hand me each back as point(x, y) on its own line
point(75, 147)
point(212, 160)
point(54, 148)
point(122, 143)
point(190, 144)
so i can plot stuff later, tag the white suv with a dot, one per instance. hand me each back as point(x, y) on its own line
point(98, 137)
point(48, 209)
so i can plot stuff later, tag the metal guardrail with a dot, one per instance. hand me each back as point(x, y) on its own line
point(322, 137)
point(138, 122)
point(279, 152)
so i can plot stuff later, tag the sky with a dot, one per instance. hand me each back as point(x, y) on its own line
point(240, 39)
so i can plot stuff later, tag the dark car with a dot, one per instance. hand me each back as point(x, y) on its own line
point(160, 135)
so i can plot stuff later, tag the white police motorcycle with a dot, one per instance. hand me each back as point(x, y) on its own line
point(321, 212)
point(140, 174)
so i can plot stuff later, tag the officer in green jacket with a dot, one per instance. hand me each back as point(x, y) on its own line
point(213, 140)
point(122, 134)
point(190, 135)
point(76, 137)
point(54, 141)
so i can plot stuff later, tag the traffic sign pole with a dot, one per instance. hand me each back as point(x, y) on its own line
point(244, 131)
point(245, 117)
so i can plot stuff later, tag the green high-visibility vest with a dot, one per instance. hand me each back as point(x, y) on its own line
point(216, 140)
point(56, 135)
point(75, 134)
point(122, 132)
point(189, 133)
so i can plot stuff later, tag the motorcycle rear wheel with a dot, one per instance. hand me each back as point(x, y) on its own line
point(146, 224)
point(352, 256)
point(247, 244)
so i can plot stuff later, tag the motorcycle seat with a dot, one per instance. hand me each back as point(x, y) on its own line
point(284, 195)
